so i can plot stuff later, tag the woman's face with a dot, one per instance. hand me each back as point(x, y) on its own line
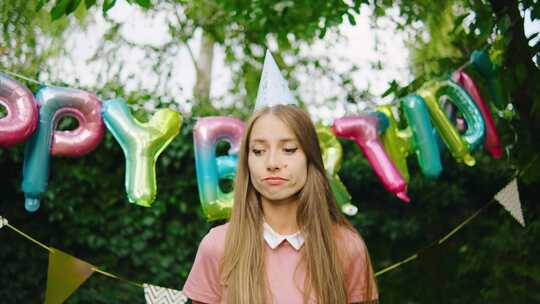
point(277, 164)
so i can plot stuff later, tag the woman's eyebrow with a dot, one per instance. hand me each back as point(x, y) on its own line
point(260, 140)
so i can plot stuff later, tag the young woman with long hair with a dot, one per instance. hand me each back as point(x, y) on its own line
point(286, 241)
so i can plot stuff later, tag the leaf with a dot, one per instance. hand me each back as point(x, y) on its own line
point(322, 33)
point(89, 3)
point(144, 3)
point(59, 9)
point(72, 6)
point(40, 4)
point(352, 21)
point(107, 5)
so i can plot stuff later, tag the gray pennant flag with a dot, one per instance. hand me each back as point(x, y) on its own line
point(508, 197)
point(3, 222)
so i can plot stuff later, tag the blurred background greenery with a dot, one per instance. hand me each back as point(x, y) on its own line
point(85, 211)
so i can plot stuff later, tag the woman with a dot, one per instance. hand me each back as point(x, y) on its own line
point(286, 241)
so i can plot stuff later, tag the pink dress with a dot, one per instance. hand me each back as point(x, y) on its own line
point(285, 281)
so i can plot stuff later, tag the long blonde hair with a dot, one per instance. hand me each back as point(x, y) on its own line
point(242, 269)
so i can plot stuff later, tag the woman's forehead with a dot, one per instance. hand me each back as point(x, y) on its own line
point(270, 128)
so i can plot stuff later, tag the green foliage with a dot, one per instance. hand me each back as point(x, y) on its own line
point(62, 8)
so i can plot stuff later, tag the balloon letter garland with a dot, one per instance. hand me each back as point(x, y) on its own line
point(206, 134)
point(365, 129)
point(142, 143)
point(22, 112)
point(459, 146)
point(56, 102)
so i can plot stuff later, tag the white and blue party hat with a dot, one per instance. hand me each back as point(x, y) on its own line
point(273, 89)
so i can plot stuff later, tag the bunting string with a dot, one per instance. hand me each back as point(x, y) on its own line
point(33, 240)
point(414, 256)
point(457, 228)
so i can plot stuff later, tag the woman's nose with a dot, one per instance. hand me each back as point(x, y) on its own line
point(273, 162)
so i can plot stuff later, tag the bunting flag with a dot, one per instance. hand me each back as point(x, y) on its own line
point(66, 273)
point(3, 222)
point(508, 197)
point(159, 295)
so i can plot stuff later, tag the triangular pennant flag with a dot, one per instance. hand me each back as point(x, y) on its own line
point(159, 295)
point(508, 197)
point(3, 222)
point(273, 89)
point(66, 274)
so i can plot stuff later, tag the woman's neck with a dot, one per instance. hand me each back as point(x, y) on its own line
point(281, 216)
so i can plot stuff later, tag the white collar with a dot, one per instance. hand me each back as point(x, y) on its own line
point(273, 239)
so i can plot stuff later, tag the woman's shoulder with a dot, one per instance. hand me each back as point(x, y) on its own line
point(351, 240)
point(214, 241)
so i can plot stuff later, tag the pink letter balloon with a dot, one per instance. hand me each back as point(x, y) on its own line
point(22, 112)
point(365, 129)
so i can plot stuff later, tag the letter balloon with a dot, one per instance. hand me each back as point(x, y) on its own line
point(332, 154)
point(365, 130)
point(21, 108)
point(142, 143)
point(208, 131)
point(55, 103)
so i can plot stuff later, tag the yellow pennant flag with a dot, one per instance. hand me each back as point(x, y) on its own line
point(66, 274)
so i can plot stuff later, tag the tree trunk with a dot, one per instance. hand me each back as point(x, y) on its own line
point(203, 83)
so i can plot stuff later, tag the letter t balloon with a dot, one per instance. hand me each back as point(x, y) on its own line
point(365, 129)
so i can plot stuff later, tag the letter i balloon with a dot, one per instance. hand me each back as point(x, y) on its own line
point(55, 103)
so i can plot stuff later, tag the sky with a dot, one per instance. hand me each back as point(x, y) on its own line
point(357, 46)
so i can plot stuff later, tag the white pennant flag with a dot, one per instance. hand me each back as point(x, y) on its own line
point(508, 197)
point(3, 222)
point(159, 295)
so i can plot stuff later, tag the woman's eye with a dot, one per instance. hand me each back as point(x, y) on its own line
point(257, 152)
point(290, 150)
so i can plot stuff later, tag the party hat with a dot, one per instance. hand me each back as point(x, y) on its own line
point(273, 89)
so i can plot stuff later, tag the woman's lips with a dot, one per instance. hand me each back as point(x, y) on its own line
point(274, 181)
